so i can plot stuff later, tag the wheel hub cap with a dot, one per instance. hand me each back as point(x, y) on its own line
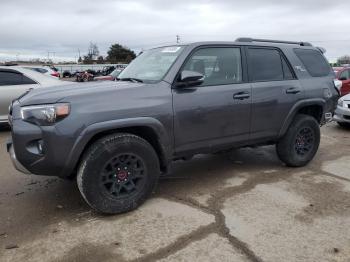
point(123, 175)
point(304, 141)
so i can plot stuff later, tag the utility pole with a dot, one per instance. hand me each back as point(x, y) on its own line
point(177, 39)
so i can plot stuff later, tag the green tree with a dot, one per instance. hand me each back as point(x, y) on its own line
point(343, 60)
point(100, 59)
point(118, 53)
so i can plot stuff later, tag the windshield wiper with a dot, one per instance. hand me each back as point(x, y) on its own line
point(131, 79)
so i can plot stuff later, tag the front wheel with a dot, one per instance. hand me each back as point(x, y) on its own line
point(118, 173)
point(300, 144)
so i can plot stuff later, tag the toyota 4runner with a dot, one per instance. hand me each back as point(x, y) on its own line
point(170, 103)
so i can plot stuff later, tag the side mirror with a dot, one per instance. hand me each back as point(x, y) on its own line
point(190, 78)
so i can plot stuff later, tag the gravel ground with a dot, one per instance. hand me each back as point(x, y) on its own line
point(241, 206)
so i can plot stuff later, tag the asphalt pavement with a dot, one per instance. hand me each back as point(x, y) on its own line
point(240, 206)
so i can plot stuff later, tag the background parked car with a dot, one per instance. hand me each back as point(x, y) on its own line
point(112, 76)
point(44, 70)
point(15, 80)
point(66, 73)
point(343, 74)
point(342, 113)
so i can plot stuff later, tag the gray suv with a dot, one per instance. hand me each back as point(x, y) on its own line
point(171, 103)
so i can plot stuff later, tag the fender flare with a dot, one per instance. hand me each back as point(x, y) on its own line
point(297, 106)
point(94, 129)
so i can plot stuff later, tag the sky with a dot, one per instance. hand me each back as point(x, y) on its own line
point(61, 28)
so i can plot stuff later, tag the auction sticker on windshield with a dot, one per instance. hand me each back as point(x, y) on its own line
point(171, 49)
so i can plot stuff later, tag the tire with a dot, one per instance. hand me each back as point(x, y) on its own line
point(300, 144)
point(345, 125)
point(118, 173)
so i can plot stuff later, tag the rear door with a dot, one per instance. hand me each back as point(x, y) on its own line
point(275, 90)
point(217, 112)
point(12, 85)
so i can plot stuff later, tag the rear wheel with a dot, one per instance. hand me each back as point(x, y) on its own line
point(118, 173)
point(300, 144)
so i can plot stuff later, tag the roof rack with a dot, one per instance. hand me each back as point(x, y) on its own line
point(246, 39)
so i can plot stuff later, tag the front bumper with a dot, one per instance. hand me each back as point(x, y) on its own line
point(342, 114)
point(14, 159)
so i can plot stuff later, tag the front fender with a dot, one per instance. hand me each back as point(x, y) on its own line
point(90, 131)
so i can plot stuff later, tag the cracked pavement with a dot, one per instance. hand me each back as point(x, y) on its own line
point(240, 206)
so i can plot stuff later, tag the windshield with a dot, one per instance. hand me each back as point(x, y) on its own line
point(151, 65)
point(115, 72)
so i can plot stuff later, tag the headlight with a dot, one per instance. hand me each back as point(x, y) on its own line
point(45, 115)
point(340, 102)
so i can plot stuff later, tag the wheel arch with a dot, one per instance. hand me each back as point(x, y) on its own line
point(147, 128)
point(311, 107)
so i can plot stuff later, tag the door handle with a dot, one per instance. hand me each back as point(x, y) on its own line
point(241, 95)
point(293, 90)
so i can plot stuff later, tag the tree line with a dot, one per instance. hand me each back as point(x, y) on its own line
point(116, 54)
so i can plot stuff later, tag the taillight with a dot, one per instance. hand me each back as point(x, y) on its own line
point(56, 74)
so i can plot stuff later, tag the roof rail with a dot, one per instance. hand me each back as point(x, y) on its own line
point(246, 39)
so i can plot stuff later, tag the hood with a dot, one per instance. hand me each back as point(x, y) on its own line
point(55, 94)
point(346, 97)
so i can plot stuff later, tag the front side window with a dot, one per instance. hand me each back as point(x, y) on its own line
point(265, 64)
point(218, 65)
point(152, 65)
point(314, 62)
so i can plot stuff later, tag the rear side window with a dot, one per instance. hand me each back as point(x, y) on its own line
point(268, 65)
point(314, 62)
point(11, 78)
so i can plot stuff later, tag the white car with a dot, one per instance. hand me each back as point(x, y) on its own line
point(342, 113)
point(15, 80)
point(44, 70)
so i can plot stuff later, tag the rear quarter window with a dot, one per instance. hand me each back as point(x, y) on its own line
point(314, 62)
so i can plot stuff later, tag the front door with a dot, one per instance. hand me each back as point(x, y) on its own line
point(217, 112)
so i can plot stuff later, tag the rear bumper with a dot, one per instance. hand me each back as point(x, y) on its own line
point(14, 159)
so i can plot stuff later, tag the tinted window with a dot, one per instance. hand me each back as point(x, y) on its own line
point(314, 62)
point(345, 75)
point(219, 65)
point(266, 64)
point(10, 78)
point(27, 81)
